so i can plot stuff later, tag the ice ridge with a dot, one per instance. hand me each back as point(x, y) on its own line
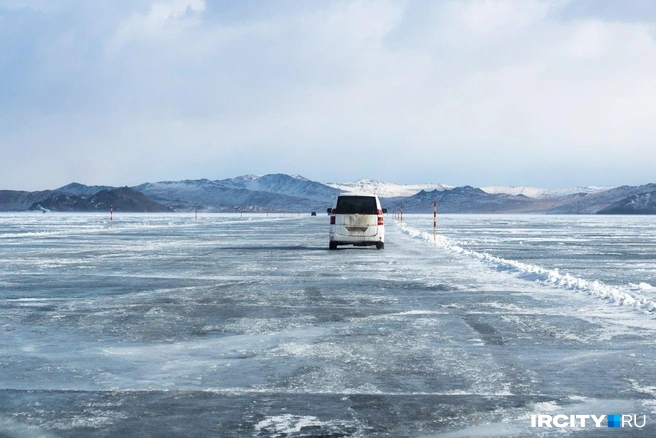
point(541, 275)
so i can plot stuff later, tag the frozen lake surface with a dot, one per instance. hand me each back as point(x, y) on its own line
point(250, 327)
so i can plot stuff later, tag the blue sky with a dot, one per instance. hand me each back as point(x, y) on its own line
point(481, 92)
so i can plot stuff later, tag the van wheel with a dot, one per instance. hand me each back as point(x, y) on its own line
point(380, 245)
point(332, 246)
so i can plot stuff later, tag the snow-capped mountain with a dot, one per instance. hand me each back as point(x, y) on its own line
point(120, 199)
point(184, 194)
point(392, 190)
point(294, 185)
point(18, 200)
point(249, 192)
point(641, 203)
point(465, 199)
point(537, 193)
point(598, 202)
point(81, 189)
point(281, 192)
point(386, 190)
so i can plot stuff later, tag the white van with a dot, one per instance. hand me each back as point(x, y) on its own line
point(357, 219)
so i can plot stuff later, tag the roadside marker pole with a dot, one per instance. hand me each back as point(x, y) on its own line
point(401, 215)
point(434, 219)
point(196, 215)
point(111, 216)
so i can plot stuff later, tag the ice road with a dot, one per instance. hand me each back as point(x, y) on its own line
point(250, 327)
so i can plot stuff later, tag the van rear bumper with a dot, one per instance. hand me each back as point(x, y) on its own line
point(341, 239)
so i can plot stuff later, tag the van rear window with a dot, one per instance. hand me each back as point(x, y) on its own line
point(356, 205)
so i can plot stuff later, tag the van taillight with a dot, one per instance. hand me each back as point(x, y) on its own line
point(332, 216)
point(380, 217)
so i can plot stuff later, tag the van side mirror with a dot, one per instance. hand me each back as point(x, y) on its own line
point(329, 210)
point(384, 211)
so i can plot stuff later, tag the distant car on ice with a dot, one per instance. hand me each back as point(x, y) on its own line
point(357, 219)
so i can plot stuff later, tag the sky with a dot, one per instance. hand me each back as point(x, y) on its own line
point(543, 93)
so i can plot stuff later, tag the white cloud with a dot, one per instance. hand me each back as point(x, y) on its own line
point(161, 19)
point(589, 40)
point(490, 19)
point(465, 92)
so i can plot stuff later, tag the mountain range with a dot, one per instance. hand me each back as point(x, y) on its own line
point(281, 192)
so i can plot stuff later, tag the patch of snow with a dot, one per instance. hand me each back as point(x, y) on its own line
point(289, 425)
point(641, 286)
point(249, 177)
point(550, 406)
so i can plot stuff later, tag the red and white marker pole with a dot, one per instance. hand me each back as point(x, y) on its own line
point(111, 216)
point(434, 220)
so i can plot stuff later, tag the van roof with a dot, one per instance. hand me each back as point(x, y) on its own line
point(357, 194)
